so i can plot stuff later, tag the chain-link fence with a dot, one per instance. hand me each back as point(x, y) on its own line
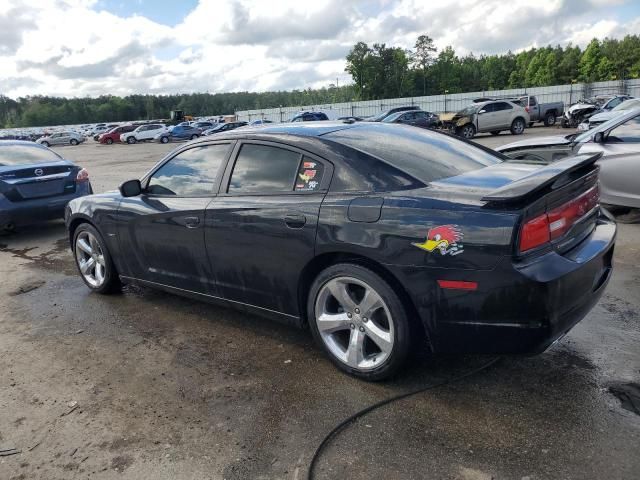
point(568, 94)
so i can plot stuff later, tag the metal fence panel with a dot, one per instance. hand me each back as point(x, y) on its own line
point(568, 94)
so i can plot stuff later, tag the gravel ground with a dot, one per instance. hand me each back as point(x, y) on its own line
point(149, 385)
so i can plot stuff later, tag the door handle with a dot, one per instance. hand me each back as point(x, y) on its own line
point(191, 222)
point(295, 221)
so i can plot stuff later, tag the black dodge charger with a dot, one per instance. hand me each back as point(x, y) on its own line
point(375, 236)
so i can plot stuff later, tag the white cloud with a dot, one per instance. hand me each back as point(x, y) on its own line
point(76, 48)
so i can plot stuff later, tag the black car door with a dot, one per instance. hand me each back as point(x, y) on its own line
point(260, 230)
point(161, 231)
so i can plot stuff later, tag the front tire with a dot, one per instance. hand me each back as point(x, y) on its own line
point(194, 136)
point(73, 142)
point(359, 321)
point(517, 126)
point(109, 141)
point(94, 260)
point(46, 144)
point(467, 131)
point(164, 139)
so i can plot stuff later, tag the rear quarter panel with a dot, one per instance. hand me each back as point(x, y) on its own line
point(404, 225)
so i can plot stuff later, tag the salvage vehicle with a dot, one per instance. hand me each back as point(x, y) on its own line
point(618, 143)
point(61, 138)
point(600, 118)
point(36, 183)
point(372, 234)
point(179, 132)
point(143, 133)
point(309, 117)
point(541, 112)
point(417, 118)
point(113, 135)
point(581, 111)
point(489, 116)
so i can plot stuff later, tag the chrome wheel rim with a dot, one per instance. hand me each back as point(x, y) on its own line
point(467, 132)
point(354, 323)
point(90, 259)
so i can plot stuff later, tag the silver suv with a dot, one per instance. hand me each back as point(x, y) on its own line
point(489, 116)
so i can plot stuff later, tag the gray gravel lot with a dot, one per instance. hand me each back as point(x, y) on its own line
point(149, 385)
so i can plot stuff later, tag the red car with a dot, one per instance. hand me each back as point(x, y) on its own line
point(113, 135)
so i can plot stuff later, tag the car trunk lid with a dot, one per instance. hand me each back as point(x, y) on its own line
point(24, 182)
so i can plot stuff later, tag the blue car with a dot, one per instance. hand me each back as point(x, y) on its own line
point(36, 183)
point(179, 132)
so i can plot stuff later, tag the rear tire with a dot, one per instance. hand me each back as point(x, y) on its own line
point(164, 139)
point(109, 141)
point(359, 321)
point(495, 132)
point(73, 141)
point(517, 126)
point(467, 131)
point(91, 255)
point(131, 140)
point(550, 120)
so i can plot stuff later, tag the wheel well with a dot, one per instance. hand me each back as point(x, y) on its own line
point(319, 263)
point(518, 118)
point(551, 112)
point(73, 226)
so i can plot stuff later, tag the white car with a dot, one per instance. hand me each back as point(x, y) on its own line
point(600, 118)
point(143, 133)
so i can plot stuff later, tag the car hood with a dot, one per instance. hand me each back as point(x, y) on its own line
point(604, 116)
point(535, 142)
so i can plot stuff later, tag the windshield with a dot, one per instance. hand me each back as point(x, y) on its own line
point(25, 155)
point(588, 135)
point(393, 117)
point(628, 105)
point(469, 110)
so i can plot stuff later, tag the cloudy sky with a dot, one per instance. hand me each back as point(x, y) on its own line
point(93, 47)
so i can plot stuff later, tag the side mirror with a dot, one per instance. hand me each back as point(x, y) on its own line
point(598, 137)
point(481, 112)
point(131, 188)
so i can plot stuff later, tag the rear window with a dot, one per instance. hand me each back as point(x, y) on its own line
point(25, 155)
point(427, 156)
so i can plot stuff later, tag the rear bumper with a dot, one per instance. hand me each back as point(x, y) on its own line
point(518, 308)
point(36, 210)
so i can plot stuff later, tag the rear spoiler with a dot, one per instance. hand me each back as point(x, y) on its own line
point(558, 173)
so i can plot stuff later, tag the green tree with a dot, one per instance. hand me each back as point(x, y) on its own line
point(423, 57)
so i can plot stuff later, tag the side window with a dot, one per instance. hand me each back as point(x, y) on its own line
point(309, 175)
point(500, 106)
point(532, 101)
point(264, 169)
point(420, 115)
point(489, 107)
point(190, 173)
point(614, 103)
point(628, 132)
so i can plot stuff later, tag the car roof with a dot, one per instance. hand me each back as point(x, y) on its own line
point(25, 143)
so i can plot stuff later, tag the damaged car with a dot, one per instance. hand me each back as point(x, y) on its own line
point(377, 237)
point(487, 116)
point(618, 143)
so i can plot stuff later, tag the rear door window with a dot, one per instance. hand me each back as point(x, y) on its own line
point(500, 106)
point(264, 169)
point(310, 175)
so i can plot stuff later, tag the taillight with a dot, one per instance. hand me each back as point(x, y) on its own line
point(555, 223)
point(527, 109)
point(534, 233)
point(82, 176)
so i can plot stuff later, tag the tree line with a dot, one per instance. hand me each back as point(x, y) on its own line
point(378, 72)
point(381, 71)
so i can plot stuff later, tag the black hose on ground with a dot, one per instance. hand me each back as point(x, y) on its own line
point(348, 421)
